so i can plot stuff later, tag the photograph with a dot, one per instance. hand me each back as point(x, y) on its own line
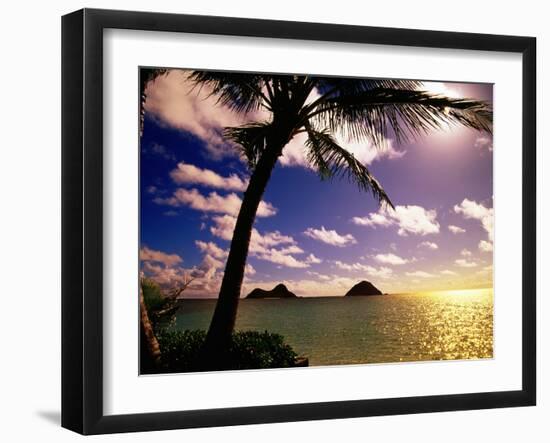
point(275, 222)
point(301, 220)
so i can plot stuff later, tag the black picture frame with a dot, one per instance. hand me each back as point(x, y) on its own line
point(82, 216)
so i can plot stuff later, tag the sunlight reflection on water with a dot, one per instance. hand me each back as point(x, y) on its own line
point(443, 325)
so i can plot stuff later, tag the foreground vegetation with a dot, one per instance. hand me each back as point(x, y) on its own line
point(180, 351)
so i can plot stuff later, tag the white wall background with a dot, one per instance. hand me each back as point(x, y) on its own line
point(30, 219)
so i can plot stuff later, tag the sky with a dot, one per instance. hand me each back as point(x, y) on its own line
point(317, 237)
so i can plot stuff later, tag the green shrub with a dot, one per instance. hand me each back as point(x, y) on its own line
point(152, 295)
point(249, 350)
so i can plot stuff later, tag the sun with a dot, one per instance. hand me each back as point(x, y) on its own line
point(440, 88)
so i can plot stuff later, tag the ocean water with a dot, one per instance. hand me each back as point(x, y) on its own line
point(352, 330)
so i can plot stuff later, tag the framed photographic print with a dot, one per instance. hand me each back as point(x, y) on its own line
point(269, 221)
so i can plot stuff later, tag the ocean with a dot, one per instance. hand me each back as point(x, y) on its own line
point(357, 330)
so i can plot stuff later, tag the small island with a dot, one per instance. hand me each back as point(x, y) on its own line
point(279, 291)
point(364, 288)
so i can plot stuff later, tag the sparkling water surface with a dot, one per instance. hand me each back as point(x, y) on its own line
point(378, 329)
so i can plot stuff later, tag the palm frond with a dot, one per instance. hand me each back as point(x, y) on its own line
point(331, 160)
point(335, 87)
point(241, 92)
point(408, 113)
point(251, 139)
point(351, 86)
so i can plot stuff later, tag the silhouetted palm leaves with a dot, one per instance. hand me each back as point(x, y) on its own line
point(369, 110)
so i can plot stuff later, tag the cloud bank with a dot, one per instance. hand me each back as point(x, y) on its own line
point(190, 174)
point(213, 202)
point(330, 237)
point(409, 219)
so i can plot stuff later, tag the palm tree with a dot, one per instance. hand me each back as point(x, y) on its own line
point(367, 110)
point(150, 349)
point(149, 343)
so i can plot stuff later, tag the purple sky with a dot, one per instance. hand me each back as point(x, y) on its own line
point(319, 238)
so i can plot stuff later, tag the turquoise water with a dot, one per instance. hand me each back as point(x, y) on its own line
point(348, 330)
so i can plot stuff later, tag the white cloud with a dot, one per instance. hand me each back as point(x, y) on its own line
point(456, 229)
point(485, 246)
point(209, 266)
point(207, 275)
point(211, 249)
point(382, 272)
point(354, 267)
point(373, 219)
point(175, 101)
point(273, 238)
point(428, 244)
point(165, 269)
point(190, 174)
point(295, 152)
point(477, 211)
point(311, 259)
point(213, 202)
point(278, 257)
point(390, 259)
point(463, 263)
point(466, 253)
point(410, 219)
point(223, 226)
point(419, 274)
point(330, 237)
point(151, 255)
point(484, 143)
point(473, 210)
point(269, 246)
point(292, 249)
point(448, 272)
point(323, 277)
point(165, 276)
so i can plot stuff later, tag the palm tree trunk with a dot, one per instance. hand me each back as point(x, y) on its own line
point(225, 313)
point(151, 360)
